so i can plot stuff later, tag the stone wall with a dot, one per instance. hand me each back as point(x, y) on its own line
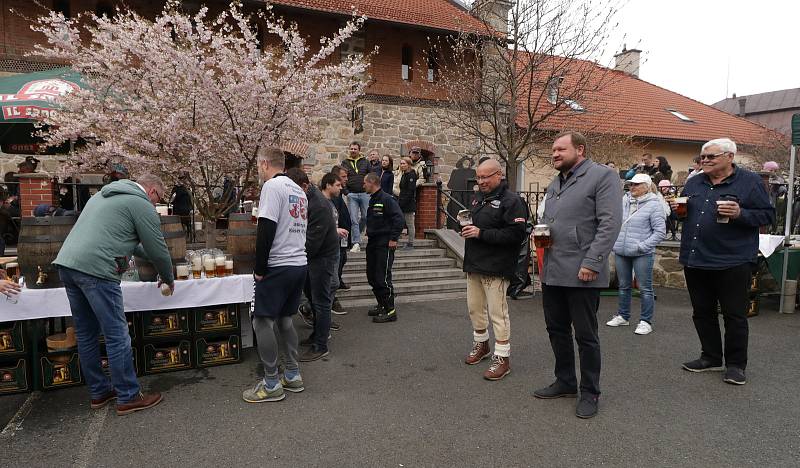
point(667, 272)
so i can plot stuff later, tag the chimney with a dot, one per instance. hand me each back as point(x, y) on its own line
point(742, 106)
point(494, 13)
point(627, 61)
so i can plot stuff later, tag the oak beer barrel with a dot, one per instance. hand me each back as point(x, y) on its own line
point(242, 242)
point(40, 239)
point(175, 237)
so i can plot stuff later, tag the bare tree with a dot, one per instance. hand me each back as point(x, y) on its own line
point(509, 88)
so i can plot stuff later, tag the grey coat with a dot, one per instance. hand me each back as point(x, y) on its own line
point(584, 217)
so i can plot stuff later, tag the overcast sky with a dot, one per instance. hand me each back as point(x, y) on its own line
point(688, 45)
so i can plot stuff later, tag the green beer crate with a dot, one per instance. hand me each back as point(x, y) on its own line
point(13, 339)
point(104, 361)
point(167, 356)
point(60, 370)
point(15, 377)
point(217, 351)
point(221, 319)
point(171, 324)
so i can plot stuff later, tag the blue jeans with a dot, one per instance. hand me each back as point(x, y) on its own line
point(357, 203)
point(319, 290)
point(643, 267)
point(96, 306)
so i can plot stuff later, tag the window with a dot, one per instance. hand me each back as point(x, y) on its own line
point(407, 61)
point(679, 115)
point(433, 66)
point(62, 6)
point(104, 8)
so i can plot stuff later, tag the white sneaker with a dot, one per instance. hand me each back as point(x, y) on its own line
point(617, 321)
point(356, 248)
point(643, 328)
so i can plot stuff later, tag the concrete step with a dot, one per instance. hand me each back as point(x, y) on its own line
point(404, 263)
point(360, 277)
point(418, 243)
point(400, 253)
point(407, 288)
point(366, 302)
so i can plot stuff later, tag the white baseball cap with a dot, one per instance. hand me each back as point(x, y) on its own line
point(641, 179)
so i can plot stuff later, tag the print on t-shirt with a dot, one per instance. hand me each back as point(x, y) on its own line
point(285, 203)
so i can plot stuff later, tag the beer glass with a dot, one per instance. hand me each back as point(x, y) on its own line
point(464, 218)
point(219, 263)
point(197, 267)
point(229, 265)
point(12, 270)
point(210, 266)
point(541, 236)
point(680, 210)
point(254, 214)
point(182, 271)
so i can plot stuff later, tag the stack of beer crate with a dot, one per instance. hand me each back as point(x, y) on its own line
point(15, 358)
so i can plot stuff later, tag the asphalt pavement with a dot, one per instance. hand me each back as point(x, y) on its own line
point(398, 395)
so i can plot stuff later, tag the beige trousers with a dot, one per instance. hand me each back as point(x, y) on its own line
point(488, 292)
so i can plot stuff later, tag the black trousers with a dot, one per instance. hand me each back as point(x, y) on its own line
point(565, 309)
point(729, 288)
point(342, 261)
point(379, 271)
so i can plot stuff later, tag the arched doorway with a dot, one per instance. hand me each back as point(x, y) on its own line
point(428, 150)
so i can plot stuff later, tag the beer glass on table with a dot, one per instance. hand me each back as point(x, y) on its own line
point(197, 267)
point(182, 271)
point(209, 266)
point(229, 265)
point(541, 236)
point(12, 271)
point(219, 264)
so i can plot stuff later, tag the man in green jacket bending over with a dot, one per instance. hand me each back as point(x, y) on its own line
point(94, 256)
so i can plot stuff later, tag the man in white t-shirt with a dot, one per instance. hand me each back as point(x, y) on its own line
point(280, 273)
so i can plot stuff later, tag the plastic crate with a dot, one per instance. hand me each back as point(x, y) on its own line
point(15, 377)
point(13, 339)
point(167, 357)
point(165, 324)
point(104, 362)
point(60, 370)
point(216, 320)
point(217, 351)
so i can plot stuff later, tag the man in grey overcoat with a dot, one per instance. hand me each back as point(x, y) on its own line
point(583, 209)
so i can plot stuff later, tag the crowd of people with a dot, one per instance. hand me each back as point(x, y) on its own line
point(306, 230)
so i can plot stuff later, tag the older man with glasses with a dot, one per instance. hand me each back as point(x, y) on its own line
point(719, 244)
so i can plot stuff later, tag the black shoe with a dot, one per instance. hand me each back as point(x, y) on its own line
point(375, 311)
point(587, 406)
point(335, 326)
point(337, 308)
point(343, 285)
point(734, 376)
point(312, 354)
point(555, 390)
point(307, 315)
point(702, 365)
point(384, 317)
point(308, 341)
point(522, 295)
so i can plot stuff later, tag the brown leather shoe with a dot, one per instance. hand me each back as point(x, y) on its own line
point(98, 403)
point(141, 402)
point(501, 366)
point(480, 351)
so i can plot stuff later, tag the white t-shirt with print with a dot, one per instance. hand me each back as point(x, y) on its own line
point(285, 203)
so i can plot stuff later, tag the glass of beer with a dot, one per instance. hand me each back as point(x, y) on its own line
point(209, 266)
point(541, 236)
point(229, 265)
point(254, 214)
point(464, 218)
point(219, 263)
point(197, 267)
point(12, 270)
point(680, 210)
point(182, 271)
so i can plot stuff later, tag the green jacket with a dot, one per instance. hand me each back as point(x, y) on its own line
point(111, 226)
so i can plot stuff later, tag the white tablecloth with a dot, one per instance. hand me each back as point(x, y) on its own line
point(136, 296)
point(768, 243)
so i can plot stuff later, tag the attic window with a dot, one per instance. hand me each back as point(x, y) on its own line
point(574, 105)
point(679, 115)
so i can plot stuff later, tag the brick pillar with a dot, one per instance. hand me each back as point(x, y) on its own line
point(34, 189)
point(427, 199)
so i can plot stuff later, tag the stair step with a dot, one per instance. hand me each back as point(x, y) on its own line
point(399, 253)
point(407, 288)
point(404, 263)
point(355, 278)
point(418, 243)
point(350, 304)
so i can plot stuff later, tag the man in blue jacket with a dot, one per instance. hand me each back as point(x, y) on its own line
point(719, 244)
point(384, 225)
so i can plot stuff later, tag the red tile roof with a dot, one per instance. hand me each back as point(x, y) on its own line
point(435, 14)
point(620, 104)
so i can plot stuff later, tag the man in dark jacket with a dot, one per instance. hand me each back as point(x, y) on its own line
point(182, 205)
point(384, 224)
point(322, 253)
point(491, 247)
point(344, 221)
point(357, 167)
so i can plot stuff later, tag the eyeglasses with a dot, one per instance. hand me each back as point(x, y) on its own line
point(712, 157)
point(479, 178)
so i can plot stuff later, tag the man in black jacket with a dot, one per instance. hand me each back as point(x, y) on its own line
point(322, 252)
point(344, 221)
point(491, 247)
point(384, 224)
point(357, 167)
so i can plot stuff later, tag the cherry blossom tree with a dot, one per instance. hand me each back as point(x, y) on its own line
point(196, 94)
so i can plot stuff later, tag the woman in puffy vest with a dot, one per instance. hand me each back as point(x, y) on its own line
point(643, 228)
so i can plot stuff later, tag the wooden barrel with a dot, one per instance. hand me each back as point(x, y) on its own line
point(242, 242)
point(175, 237)
point(40, 239)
